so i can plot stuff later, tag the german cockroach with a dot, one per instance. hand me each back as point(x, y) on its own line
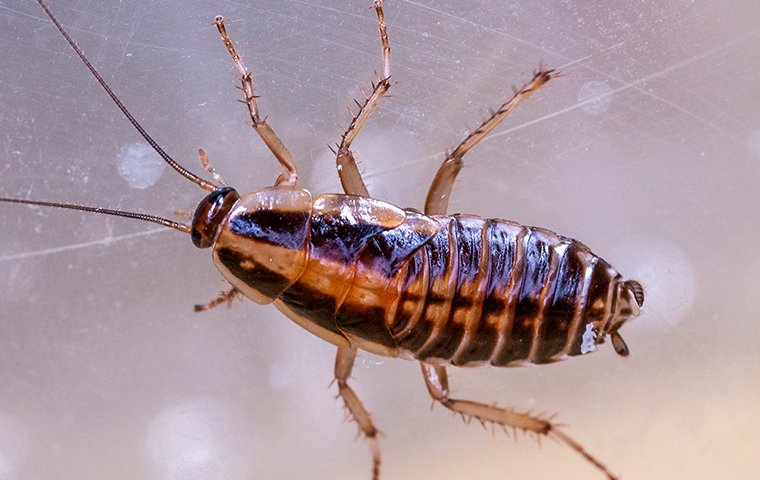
point(361, 273)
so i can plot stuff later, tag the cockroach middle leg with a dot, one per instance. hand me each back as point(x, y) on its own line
point(437, 382)
point(259, 124)
point(224, 297)
point(350, 178)
point(437, 200)
point(344, 363)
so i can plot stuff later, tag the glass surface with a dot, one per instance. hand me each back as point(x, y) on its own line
point(648, 151)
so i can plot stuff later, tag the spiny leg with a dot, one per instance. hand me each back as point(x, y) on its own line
point(224, 297)
point(260, 125)
point(348, 172)
point(437, 200)
point(437, 382)
point(344, 362)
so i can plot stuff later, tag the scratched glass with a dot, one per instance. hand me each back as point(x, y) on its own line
point(647, 152)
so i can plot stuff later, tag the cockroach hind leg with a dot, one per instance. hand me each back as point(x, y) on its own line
point(436, 380)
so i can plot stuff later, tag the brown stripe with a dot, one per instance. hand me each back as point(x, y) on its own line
point(558, 314)
point(415, 333)
point(534, 276)
point(588, 261)
point(412, 288)
point(479, 336)
point(438, 315)
point(515, 279)
point(556, 252)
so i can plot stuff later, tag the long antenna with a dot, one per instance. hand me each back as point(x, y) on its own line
point(107, 211)
point(176, 166)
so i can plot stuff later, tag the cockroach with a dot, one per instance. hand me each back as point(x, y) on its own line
point(360, 273)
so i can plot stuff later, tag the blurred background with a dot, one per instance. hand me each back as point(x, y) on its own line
point(648, 151)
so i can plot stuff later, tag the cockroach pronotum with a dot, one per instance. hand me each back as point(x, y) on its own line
point(361, 273)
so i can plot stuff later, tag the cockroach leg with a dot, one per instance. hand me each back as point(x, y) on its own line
point(437, 200)
point(259, 124)
point(348, 172)
point(210, 168)
point(224, 297)
point(437, 382)
point(344, 363)
point(185, 214)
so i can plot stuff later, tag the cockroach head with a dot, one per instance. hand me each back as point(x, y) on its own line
point(210, 215)
point(630, 298)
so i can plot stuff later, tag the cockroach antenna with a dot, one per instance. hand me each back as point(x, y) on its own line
point(205, 184)
point(106, 211)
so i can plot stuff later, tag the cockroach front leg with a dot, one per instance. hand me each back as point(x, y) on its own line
point(350, 178)
point(437, 382)
point(344, 363)
point(278, 149)
point(224, 297)
point(437, 200)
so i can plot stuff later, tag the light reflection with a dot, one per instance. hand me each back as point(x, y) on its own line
point(665, 271)
point(14, 446)
point(139, 165)
point(193, 440)
point(753, 143)
point(595, 96)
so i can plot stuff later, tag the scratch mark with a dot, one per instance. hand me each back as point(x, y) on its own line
point(77, 246)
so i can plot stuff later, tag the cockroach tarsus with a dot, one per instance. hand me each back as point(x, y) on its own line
point(362, 273)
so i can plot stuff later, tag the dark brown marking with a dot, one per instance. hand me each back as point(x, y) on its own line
point(339, 238)
point(275, 227)
point(446, 344)
point(311, 304)
point(418, 335)
point(558, 314)
point(503, 245)
point(366, 322)
point(387, 251)
point(480, 347)
point(408, 299)
point(468, 237)
point(437, 251)
point(266, 281)
point(534, 276)
point(384, 255)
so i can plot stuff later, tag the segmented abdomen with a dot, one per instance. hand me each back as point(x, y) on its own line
point(493, 291)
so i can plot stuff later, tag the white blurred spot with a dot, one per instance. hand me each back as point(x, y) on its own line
point(14, 446)
point(666, 273)
point(139, 165)
point(753, 143)
point(595, 96)
point(588, 341)
point(193, 441)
